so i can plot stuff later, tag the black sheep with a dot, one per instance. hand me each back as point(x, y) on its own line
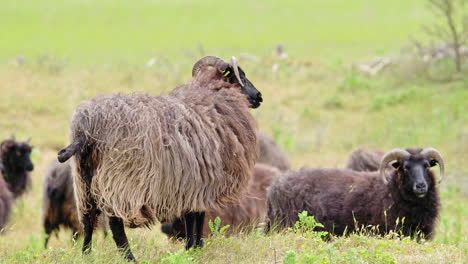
point(345, 199)
point(17, 165)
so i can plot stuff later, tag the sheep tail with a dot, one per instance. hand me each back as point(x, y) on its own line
point(66, 153)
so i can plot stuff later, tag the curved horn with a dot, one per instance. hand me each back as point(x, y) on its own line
point(234, 66)
point(205, 61)
point(27, 140)
point(434, 154)
point(393, 154)
point(12, 137)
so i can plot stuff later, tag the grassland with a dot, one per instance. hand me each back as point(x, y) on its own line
point(316, 106)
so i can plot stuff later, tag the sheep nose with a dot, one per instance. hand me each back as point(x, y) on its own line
point(259, 97)
point(420, 188)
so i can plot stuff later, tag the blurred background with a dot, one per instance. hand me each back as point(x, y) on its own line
point(335, 75)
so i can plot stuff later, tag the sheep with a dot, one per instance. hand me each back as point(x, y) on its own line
point(270, 153)
point(141, 158)
point(343, 199)
point(361, 159)
point(16, 159)
point(58, 202)
point(6, 200)
point(241, 217)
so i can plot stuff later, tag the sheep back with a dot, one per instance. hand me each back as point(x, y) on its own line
point(361, 159)
point(270, 153)
point(162, 156)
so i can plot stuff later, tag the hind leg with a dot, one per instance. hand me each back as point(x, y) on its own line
point(120, 238)
point(48, 231)
point(88, 223)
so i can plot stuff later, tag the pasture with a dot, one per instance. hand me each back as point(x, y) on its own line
point(316, 106)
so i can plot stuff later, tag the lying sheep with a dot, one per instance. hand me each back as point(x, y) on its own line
point(345, 199)
point(364, 160)
point(142, 158)
point(58, 201)
point(243, 217)
point(16, 159)
point(6, 199)
point(270, 153)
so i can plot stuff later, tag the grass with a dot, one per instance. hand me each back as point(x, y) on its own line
point(316, 106)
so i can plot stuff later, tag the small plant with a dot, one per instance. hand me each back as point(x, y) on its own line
point(180, 257)
point(307, 224)
point(290, 257)
point(215, 227)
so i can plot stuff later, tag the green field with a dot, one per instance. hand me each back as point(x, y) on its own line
point(315, 105)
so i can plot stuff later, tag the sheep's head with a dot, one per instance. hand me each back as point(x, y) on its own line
point(175, 230)
point(412, 169)
point(16, 155)
point(231, 73)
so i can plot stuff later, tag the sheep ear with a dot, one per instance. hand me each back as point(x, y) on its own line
point(224, 69)
point(433, 163)
point(396, 165)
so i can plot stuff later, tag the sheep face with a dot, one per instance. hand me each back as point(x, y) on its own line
point(415, 177)
point(247, 88)
point(17, 155)
point(226, 72)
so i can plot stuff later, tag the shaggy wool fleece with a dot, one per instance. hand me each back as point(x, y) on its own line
point(161, 156)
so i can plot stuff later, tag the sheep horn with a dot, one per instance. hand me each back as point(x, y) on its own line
point(205, 61)
point(435, 155)
point(27, 140)
point(393, 154)
point(234, 66)
point(12, 137)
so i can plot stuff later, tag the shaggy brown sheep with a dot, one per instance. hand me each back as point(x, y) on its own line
point(142, 158)
point(243, 217)
point(344, 199)
point(17, 165)
point(6, 199)
point(270, 153)
point(58, 201)
point(364, 160)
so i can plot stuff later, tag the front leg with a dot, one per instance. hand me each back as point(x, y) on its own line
point(199, 223)
point(189, 226)
point(120, 238)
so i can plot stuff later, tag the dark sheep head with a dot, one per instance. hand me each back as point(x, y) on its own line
point(16, 156)
point(412, 167)
point(233, 74)
point(175, 230)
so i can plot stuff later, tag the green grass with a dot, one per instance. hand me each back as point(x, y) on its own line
point(113, 30)
point(316, 107)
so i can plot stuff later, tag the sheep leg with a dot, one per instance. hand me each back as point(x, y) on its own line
point(199, 221)
point(88, 223)
point(189, 226)
point(48, 230)
point(120, 238)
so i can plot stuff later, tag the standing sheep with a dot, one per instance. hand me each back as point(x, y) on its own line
point(270, 153)
point(6, 199)
point(141, 158)
point(364, 160)
point(17, 165)
point(241, 217)
point(58, 201)
point(345, 199)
